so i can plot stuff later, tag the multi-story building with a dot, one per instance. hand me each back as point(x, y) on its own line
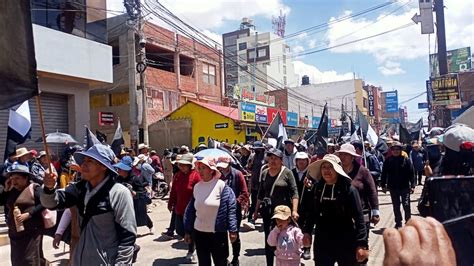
point(73, 58)
point(255, 63)
point(178, 69)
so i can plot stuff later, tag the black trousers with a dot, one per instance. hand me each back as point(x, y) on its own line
point(419, 174)
point(401, 196)
point(327, 252)
point(268, 226)
point(253, 203)
point(180, 231)
point(236, 246)
point(215, 245)
point(26, 250)
point(172, 225)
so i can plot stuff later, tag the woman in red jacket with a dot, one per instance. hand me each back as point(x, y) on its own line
point(182, 193)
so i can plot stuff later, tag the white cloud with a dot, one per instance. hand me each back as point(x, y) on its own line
point(391, 68)
point(317, 76)
point(312, 44)
point(297, 49)
point(211, 14)
point(404, 44)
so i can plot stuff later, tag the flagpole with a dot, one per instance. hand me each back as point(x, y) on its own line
point(43, 132)
point(362, 138)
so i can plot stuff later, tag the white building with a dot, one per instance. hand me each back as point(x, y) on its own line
point(72, 58)
point(256, 62)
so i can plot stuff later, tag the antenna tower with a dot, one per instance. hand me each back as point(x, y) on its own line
point(279, 24)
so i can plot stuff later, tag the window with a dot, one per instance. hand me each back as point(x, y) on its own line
point(115, 52)
point(284, 70)
point(242, 46)
point(365, 103)
point(252, 54)
point(262, 52)
point(209, 74)
point(284, 80)
point(244, 68)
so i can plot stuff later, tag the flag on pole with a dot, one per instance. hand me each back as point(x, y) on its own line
point(323, 133)
point(354, 135)
point(90, 139)
point(19, 127)
point(277, 130)
point(17, 59)
point(367, 131)
point(118, 140)
point(101, 136)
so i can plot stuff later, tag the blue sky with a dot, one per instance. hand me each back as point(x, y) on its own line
point(398, 60)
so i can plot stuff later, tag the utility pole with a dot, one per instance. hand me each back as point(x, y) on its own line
point(141, 66)
point(442, 57)
point(255, 66)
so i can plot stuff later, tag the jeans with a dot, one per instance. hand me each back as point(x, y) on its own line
point(236, 246)
point(401, 196)
point(215, 245)
point(179, 219)
point(253, 202)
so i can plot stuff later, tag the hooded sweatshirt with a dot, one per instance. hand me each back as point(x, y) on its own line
point(288, 243)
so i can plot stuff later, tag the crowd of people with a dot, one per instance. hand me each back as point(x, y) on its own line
point(320, 199)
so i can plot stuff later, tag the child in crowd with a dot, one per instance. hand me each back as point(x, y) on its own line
point(286, 237)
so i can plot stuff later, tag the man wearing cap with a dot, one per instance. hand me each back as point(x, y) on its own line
point(236, 181)
point(39, 167)
point(105, 208)
point(289, 154)
point(373, 163)
point(418, 160)
point(399, 178)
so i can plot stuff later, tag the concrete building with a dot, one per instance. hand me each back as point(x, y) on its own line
point(72, 59)
point(347, 94)
point(255, 63)
point(179, 69)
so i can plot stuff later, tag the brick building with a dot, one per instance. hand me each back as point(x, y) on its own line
point(179, 69)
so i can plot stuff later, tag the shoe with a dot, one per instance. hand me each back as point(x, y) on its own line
point(191, 258)
point(152, 230)
point(135, 253)
point(248, 225)
point(235, 261)
point(306, 254)
point(167, 235)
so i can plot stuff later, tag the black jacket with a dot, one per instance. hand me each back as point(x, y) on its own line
point(398, 173)
point(339, 218)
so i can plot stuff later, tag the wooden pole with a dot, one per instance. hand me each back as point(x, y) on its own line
point(43, 132)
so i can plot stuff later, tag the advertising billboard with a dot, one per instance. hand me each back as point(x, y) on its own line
point(459, 60)
point(272, 112)
point(315, 121)
point(391, 101)
point(291, 119)
point(247, 111)
point(261, 115)
point(446, 91)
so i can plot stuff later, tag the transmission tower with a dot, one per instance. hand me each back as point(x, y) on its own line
point(279, 24)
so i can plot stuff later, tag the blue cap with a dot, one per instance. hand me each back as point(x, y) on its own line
point(99, 152)
point(17, 168)
point(125, 164)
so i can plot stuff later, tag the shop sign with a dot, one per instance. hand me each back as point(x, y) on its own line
point(291, 119)
point(315, 121)
point(446, 91)
point(257, 97)
point(106, 119)
point(247, 111)
point(459, 60)
point(221, 125)
point(371, 103)
point(391, 102)
point(261, 115)
point(304, 121)
point(272, 112)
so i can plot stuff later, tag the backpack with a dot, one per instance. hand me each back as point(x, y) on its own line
point(49, 216)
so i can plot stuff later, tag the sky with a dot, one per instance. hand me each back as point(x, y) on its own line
point(395, 61)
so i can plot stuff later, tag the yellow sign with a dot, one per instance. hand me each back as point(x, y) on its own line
point(118, 99)
point(98, 101)
point(247, 116)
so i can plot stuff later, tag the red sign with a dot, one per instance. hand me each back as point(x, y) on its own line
point(106, 119)
point(272, 112)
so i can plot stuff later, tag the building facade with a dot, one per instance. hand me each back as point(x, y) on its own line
point(178, 69)
point(255, 63)
point(72, 59)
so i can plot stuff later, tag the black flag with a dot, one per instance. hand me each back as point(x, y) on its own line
point(19, 128)
point(101, 136)
point(90, 139)
point(323, 133)
point(118, 141)
point(277, 130)
point(17, 56)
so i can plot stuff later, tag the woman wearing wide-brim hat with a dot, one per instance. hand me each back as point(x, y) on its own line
point(336, 211)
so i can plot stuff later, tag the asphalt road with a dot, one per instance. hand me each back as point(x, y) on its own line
point(156, 251)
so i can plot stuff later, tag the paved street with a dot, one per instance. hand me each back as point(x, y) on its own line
point(154, 251)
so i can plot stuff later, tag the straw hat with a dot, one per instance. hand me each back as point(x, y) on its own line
point(21, 152)
point(314, 169)
point(349, 149)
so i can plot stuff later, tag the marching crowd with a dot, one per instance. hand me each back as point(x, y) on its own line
point(320, 199)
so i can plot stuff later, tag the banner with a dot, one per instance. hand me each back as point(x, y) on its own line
point(247, 111)
point(272, 112)
point(304, 121)
point(446, 91)
point(315, 121)
point(256, 97)
point(292, 119)
point(459, 60)
point(391, 101)
point(261, 115)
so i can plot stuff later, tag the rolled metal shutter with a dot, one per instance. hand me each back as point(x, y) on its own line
point(55, 113)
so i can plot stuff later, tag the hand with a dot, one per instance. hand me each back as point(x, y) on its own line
point(23, 217)
point(255, 215)
point(307, 240)
point(75, 167)
point(57, 240)
point(375, 219)
point(412, 190)
point(8, 185)
point(187, 239)
point(295, 215)
point(308, 182)
point(49, 179)
point(232, 236)
point(361, 254)
point(422, 241)
point(133, 193)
